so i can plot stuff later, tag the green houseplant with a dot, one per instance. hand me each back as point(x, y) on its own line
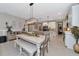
point(75, 32)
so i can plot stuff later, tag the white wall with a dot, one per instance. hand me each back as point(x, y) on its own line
point(15, 22)
point(75, 15)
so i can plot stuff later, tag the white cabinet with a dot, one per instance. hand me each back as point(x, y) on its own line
point(69, 40)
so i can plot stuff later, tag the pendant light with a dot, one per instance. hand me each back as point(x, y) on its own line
point(31, 10)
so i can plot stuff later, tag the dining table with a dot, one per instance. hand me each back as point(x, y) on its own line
point(37, 40)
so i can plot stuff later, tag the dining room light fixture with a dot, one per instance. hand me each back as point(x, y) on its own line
point(31, 4)
point(31, 10)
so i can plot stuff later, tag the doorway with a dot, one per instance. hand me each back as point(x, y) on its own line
point(60, 28)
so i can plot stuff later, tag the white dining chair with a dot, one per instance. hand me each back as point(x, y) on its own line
point(45, 44)
point(27, 46)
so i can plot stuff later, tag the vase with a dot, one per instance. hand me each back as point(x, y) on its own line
point(76, 48)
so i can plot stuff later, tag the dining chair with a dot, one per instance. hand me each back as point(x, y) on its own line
point(27, 46)
point(44, 45)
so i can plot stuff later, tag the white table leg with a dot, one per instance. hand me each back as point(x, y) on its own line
point(38, 49)
point(20, 50)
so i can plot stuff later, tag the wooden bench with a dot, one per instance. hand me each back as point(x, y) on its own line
point(29, 47)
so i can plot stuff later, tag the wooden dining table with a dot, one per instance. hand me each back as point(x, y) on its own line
point(37, 40)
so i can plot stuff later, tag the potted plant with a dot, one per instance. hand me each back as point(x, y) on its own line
point(8, 27)
point(75, 32)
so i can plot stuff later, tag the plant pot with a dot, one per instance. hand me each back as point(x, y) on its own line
point(76, 48)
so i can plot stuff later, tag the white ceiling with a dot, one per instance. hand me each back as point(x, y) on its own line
point(40, 10)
